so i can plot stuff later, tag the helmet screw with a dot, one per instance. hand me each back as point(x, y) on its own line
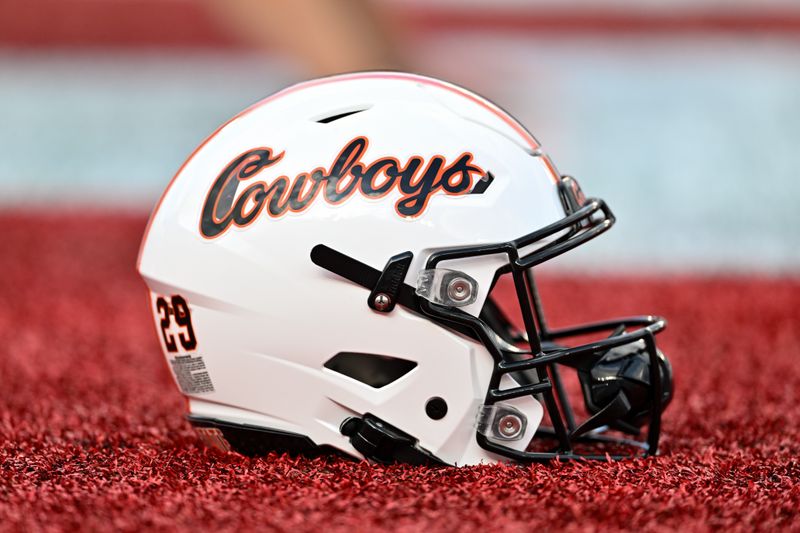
point(509, 426)
point(382, 301)
point(459, 289)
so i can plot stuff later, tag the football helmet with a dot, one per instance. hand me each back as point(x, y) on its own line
point(324, 273)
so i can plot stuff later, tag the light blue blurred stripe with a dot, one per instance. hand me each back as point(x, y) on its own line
point(114, 128)
point(695, 143)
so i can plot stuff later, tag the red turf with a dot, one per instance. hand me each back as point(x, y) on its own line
point(91, 433)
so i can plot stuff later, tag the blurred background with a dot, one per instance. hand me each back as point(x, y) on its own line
point(683, 114)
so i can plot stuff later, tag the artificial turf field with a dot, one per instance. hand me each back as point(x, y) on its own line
point(92, 435)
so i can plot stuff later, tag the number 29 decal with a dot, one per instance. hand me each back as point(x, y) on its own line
point(176, 309)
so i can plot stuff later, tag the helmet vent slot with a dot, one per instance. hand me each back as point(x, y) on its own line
point(374, 370)
point(341, 115)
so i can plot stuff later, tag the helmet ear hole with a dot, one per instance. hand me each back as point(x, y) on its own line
point(436, 408)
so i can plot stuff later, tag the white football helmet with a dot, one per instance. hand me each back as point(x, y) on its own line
point(321, 273)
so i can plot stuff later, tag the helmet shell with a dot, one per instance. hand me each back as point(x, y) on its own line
point(267, 319)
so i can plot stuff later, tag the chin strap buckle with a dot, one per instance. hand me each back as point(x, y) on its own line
point(378, 441)
point(384, 295)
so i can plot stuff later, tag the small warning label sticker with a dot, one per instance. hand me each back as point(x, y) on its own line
point(213, 437)
point(191, 374)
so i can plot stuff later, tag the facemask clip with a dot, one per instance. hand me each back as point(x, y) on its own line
point(501, 422)
point(451, 288)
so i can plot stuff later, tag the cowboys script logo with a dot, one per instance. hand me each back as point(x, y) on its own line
point(416, 179)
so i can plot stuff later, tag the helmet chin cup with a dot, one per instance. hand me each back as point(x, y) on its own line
point(613, 411)
point(619, 378)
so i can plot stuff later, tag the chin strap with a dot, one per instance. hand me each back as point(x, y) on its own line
point(388, 282)
point(384, 294)
point(372, 279)
point(378, 441)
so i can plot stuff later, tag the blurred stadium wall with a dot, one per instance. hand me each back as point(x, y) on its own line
point(683, 114)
